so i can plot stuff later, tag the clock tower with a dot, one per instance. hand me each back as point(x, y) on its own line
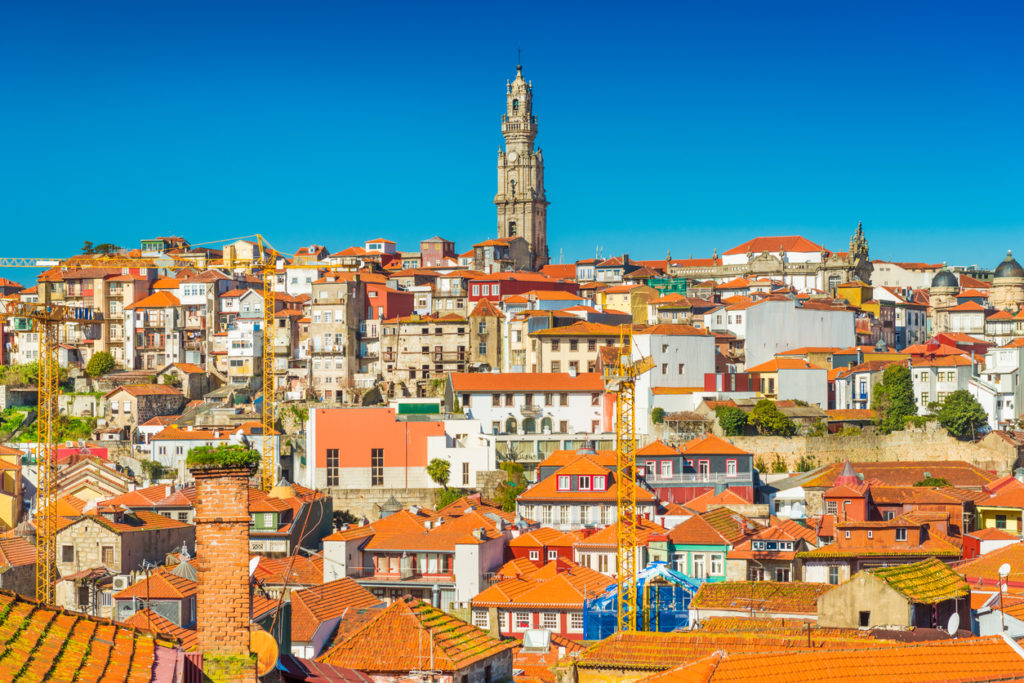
point(522, 204)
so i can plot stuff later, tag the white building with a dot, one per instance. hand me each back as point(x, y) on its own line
point(936, 378)
point(999, 387)
point(532, 403)
point(904, 275)
point(774, 326)
point(245, 353)
point(911, 323)
point(682, 355)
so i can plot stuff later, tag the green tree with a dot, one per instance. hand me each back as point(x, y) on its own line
point(732, 420)
point(658, 416)
point(509, 490)
point(153, 469)
point(446, 497)
point(893, 399)
point(440, 471)
point(105, 248)
point(933, 482)
point(100, 364)
point(768, 419)
point(962, 415)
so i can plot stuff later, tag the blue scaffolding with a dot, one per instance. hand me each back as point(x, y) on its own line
point(663, 597)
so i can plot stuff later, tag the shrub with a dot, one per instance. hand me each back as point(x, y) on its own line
point(768, 419)
point(100, 364)
point(658, 415)
point(819, 428)
point(508, 491)
point(779, 465)
point(153, 469)
point(962, 415)
point(849, 430)
point(448, 496)
point(224, 455)
point(932, 482)
point(732, 420)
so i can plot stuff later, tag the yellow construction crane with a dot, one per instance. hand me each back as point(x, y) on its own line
point(46, 321)
point(620, 379)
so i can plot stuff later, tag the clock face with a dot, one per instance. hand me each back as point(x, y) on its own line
point(512, 156)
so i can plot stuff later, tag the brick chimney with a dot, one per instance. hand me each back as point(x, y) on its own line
point(222, 558)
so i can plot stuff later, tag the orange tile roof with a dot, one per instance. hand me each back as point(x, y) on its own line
point(852, 414)
point(313, 606)
point(657, 447)
point(788, 243)
point(441, 537)
point(651, 651)
point(139, 497)
point(547, 587)
point(708, 498)
point(987, 658)
point(940, 362)
point(543, 537)
point(160, 585)
point(794, 597)
point(41, 643)
point(672, 329)
point(908, 473)
point(172, 433)
point(146, 390)
point(497, 382)
point(608, 536)
point(16, 552)
point(397, 638)
point(711, 445)
point(605, 458)
point(984, 570)
point(148, 620)
point(137, 521)
point(160, 299)
point(966, 307)
point(165, 283)
point(928, 582)
point(294, 570)
point(993, 534)
point(718, 527)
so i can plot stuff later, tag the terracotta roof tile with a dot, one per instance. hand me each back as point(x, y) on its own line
point(711, 445)
point(761, 596)
point(548, 587)
point(547, 488)
point(589, 382)
point(395, 640)
point(907, 473)
point(160, 585)
point(148, 620)
point(718, 527)
point(313, 606)
point(709, 498)
point(16, 552)
point(929, 581)
point(161, 299)
point(146, 390)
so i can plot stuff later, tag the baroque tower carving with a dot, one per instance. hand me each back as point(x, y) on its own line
point(521, 202)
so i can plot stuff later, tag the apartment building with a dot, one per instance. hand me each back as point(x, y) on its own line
point(419, 348)
point(153, 332)
point(338, 302)
point(572, 348)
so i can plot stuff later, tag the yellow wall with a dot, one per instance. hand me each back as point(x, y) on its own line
point(987, 518)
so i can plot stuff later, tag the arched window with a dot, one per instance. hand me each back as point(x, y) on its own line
point(515, 105)
point(529, 426)
point(546, 425)
point(511, 228)
point(510, 426)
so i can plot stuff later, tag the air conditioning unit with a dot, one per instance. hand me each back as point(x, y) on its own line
point(121, 581)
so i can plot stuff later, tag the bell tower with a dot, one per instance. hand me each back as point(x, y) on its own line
point(521, 202)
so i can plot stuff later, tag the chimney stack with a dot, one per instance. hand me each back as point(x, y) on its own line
point(222, 552)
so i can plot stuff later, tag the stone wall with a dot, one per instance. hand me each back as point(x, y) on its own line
point(81, 405)
point(367, 502)
point(17, 397)
point(928, 443)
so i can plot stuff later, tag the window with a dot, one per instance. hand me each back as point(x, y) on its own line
point(107, 554)
point(481, 619)
point(782, 574)
point(182, 516)
point(755, 573)
point(333, 466)
point(599, 482)
point(573, 345)
point(833, 574)
point(377, 467)
point(901, 534)
point(681, 368)
point(584, 484)
point(67, 553)
point(476, 290)
point(666, 469)
point(549, 620)
point(595, 399)
point(730, 468)
point(664, 368)
point(482, 348)
point(563, 514)
point(830, 507)
point(522, 621)
point(555, 345)
point(495, 399)
point(871, 534)
point(563, 482)
point(699, 571)
point(847, 533)
point(549, 399)
point(1000, 521)
point(864, 618)
point(888, 514)
point(508, 399)
point(552, 555)
point(563, 399)
point(717, 566)
point(602, 563)
point(576, 621)
point(534, 555)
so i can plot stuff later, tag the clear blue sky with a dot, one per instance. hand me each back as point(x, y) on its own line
point(673, 126)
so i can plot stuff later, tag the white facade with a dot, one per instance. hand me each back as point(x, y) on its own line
point(245, 352)
point(999, 387)
point(776, 326)
point(468, 450)
point(904, 275)
point(935, 382)
point(680, 360)
point(535, 412)
point(810, 385)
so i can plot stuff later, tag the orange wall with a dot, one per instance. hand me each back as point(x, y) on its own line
point(356, 431)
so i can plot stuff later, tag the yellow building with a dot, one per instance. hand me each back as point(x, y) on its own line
point(1002, 511)
point(632, 299)
point(10, 487)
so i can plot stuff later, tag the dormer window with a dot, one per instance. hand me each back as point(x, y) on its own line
point(584, 483)
point(563, 482)
point(599, 483)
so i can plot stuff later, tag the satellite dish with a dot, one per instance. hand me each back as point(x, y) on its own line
point(265, 647)
point(1004, 570)
point(954, 624)
point(253, 563)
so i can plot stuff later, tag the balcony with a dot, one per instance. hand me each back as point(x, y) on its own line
point(388, 356)
point(710, 478)
point(448, 356)
point(531, 411)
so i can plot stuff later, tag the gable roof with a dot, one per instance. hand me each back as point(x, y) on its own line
point(397, 638)
point(313, 606)
point(15, 551)
point(161, 299)
point(710, 444)
point(929, 581)
point(160, 585)
point(718, 527)
point(547, 587)
point(906, 473)
point(795, 597)
point(709, 497)
point(137, 390)
point(790, 243)
point(148, 620)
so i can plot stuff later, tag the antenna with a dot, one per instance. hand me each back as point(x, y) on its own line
point(519, 57)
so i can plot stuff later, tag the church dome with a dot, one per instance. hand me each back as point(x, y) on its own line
point(1009, 267)
point(944, 278)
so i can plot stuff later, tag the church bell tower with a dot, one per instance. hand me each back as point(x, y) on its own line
point(521, 202)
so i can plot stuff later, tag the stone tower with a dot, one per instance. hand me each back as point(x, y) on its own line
point(522, 204)
point(1007, 293)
